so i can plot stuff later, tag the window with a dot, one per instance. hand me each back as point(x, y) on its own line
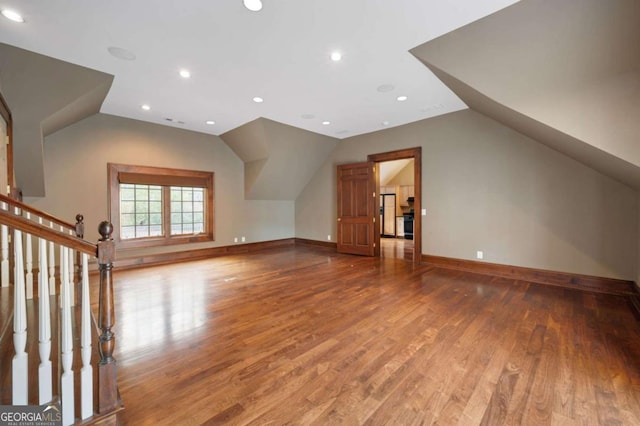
point(157, 206)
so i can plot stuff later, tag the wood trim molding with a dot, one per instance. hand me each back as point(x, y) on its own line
point(316, 243)
point(165, 177)
point(5, 112)
point(416, 154)
point(635, 301)
point(539, 276)
point(123, 263)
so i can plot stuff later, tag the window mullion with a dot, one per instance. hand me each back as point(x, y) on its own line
point(166, 211)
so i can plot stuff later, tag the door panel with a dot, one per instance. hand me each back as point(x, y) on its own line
point(356, 209)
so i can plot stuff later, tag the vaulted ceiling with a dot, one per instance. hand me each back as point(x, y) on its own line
point(565, 73)
point(281, 54)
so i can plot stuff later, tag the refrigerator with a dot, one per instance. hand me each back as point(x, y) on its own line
point(388, 215)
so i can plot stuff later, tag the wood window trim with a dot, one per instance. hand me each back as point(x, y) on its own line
point(125, 173)
point(8, 118)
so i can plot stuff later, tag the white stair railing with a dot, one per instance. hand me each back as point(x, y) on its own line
point(22, 225)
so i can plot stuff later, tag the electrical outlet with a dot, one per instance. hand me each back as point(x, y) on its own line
point(235, 240)
point(329, 237)
point(479, 254)
point(243, 239)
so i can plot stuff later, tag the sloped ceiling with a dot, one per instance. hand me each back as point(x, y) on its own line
point(44, 95)
point(279, 160)
point(564, 73)
point(390, 169)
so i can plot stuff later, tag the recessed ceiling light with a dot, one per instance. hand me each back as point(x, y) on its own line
point(185, 73)
point(210, 122)
point(326, 123)
point(385, 123)
point(258, 99)
point(12, 16)
point(401, 98)
point(253, 5)
point(336, 56)
point(145, 107)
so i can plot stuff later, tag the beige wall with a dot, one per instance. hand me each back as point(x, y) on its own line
point(487, 187)
point(76, 176)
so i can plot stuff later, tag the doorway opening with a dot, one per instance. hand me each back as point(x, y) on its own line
point(399, 183)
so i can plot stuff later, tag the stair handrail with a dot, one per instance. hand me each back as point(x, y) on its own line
point(12, 202)
point(36, 229)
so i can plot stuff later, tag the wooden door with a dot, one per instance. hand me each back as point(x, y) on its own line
point(357, 208)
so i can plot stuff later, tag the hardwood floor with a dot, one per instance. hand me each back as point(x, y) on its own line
point(397, 248)
point(301, 335)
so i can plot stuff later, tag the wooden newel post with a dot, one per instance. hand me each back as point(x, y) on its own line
point(107, 385)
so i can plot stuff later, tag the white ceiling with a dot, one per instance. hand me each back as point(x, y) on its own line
point(280, 54)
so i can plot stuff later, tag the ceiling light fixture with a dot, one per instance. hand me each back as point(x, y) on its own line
point(252, 5)
point(258, 99)
point(210, 122)
point(326, 123)
point(12, 16)
point(336, 56)
point(184, 73)
point(385, 123)
point(145, 107)
point(401, 98)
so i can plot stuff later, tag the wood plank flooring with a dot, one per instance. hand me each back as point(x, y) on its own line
point(301, 335)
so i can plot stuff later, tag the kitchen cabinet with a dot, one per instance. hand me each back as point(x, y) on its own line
point(404, 192)
point(387, 189)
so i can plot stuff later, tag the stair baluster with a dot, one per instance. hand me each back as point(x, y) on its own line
point(86, 374)
point(66, 382)
point(52, 266)
point(72, 275)
point(45, 374)
point(29, 263)
point(20, 359)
